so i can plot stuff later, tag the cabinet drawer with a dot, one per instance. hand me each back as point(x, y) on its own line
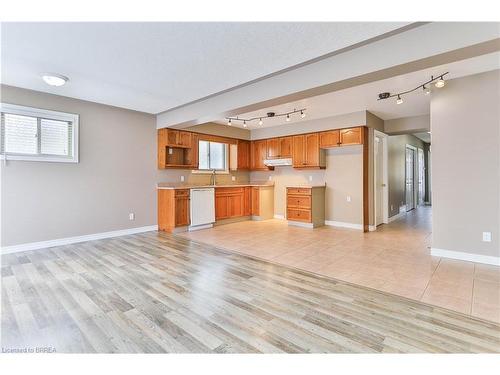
point(181, 192)
point(299, 215)
point(299, 191)
point(229, 191)
point(299, 201)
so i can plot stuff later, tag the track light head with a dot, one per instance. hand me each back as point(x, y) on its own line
point(288, 118)
point(244, 124)
point(229, 122)
point(260, 122)
point(440, 83)
point(399, 100)
point(302, 114)
point(427, 90)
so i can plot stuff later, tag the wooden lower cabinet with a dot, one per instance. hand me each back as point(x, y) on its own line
point(173, 209)
point(229, 202)
point(247, 201)
point(305, 206)
point(255, 201)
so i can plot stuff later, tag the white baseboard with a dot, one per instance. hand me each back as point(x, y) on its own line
point(281, 217)
point(342, 224)
point(372, 228)
point(485, 259)
point(398, 216)
point(71, 240)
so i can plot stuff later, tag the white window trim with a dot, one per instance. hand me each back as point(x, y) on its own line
point(219, 171)
point(52, 115)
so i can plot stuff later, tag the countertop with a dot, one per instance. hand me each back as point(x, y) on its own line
point(173, 186)
point(305, 186)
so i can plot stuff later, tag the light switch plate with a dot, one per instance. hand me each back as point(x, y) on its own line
point(131, 216)
point(170, 151)
point(486, 236)
point(310, 178)
point(182, 178)
point(270, 178)
point(233, 178)
point(348, 198)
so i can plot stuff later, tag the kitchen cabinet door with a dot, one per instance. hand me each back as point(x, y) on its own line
point(221, 207)
point(243, 155)
point(352, 136)
point(273, 148)
point(299, 151)
point(286, 145)
point(235, 205)
point(255, 201)
point(172, 136)
point(247, 201)
point(259, 155)
point(329, 138)
point(184, 139)
point(181, 211)
point(312, 150)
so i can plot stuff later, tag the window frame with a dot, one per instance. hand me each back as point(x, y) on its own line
point(226, 159)
point(40, 114)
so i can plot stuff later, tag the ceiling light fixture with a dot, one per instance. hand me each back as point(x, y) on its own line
point(438, 82)
point(288, 116)
point(54, 79)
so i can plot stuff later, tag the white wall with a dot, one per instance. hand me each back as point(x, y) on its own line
point(465, 126)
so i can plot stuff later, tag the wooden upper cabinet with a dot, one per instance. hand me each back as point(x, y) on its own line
point(298, 156)
point(312, 149)
point(306, 151)
point(258, 154)
point(184, 139)
point(273, 148)
point(243, 154)
point(286, 146)
point(177, 149)
point(330, 138)
point(352, 136)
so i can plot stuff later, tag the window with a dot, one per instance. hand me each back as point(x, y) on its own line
point(212, 155)
point(37, 134)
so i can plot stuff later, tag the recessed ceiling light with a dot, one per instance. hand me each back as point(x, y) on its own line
point(54, 79)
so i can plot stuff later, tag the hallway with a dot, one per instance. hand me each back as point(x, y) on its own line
point(394, 259)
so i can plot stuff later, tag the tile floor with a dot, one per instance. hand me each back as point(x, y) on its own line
point(395, 259)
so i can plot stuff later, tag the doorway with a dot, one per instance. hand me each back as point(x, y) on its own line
point(410, 170)
point(421, 177)
point(380, 180)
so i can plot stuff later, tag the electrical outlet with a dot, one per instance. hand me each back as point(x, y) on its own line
point(170, 151)
point(392, 207)
point(348, 198)
point(486, 236)
point(131, 216)
point(270, 178)
point(233, 178)
point(310, 178)
point(182, 178)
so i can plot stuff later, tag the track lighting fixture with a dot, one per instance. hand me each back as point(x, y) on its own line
point(288, 117)
point(438, 82)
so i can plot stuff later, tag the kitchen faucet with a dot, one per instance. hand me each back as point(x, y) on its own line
point(212, 178)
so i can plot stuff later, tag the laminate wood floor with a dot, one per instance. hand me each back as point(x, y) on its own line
point(160, 293)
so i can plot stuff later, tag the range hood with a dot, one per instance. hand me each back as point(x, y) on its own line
point(278, 162)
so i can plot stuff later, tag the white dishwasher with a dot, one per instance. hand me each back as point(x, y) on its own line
point(202, 208)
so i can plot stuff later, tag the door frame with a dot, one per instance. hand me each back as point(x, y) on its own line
point(421, 168)
point(415, 176)
point(385, 177)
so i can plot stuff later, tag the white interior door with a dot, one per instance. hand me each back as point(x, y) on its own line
point(410, 177)
point(379, 181)
point(421, 177)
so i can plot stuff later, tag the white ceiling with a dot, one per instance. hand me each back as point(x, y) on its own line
point(364, 97)
point(153, 67)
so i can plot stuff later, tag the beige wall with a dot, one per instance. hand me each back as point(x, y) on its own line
point(116, 175)
point(465, 125)
point(343, 177)
point(405, 125)
point(396, 168)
